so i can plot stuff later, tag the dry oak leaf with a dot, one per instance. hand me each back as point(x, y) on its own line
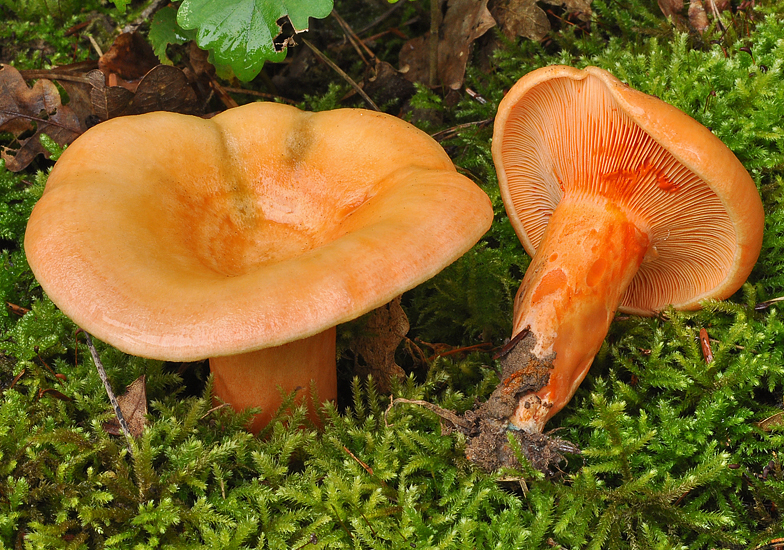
point(133, 405)
point(163, 88)
point(464, 22)
point(671, 8)
point(524, 18)
point(698, 19)
point(130, 57)
point(29, 112)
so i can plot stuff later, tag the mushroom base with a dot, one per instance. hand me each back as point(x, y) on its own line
point(263, 378)
point(589, 254)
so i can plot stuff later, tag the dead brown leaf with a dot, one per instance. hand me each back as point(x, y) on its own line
point(774, 421)
point(107, 101)
point(133, 404)
point(464, 22)
point(374, 351)
point(29, 112)
point(130, 57)
point(164, 88)
point(384, 84)
point(525, 18)
point(707, 353)
point(698, 19)
point(671, 8)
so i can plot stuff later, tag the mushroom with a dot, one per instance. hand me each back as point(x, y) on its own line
point(625, 203)
point(246, 238)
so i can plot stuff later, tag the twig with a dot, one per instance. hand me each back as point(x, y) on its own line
point(381, 17)
point(717, 14)
point(484, 346)
point(145, 15)
point(367, 468)
point(358, 44)
point(451, 132)
point(225, 98)
point(435, 11)
point(53, 75)
point(394, 31)
point(340, 71)
point(443, 413)
point(212, 410)
point(96, 47)
point(115, 405)
point(259, 94)
point(767, 303)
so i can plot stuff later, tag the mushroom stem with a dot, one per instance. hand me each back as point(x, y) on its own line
point(262, 378)
point(589, 254)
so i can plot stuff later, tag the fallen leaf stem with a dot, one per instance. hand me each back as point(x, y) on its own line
point(340, 71)
point(112, 399)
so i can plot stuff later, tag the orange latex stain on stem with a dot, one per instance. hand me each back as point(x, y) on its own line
point(569, 302)
point(552, 282)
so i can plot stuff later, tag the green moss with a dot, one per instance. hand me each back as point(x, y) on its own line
point(674, 454)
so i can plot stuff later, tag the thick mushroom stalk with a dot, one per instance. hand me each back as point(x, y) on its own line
point(298, 366)
point(589, 254)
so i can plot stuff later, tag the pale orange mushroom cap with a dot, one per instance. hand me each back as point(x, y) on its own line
point(562, 129)
point(624, 202)
point(178, 238)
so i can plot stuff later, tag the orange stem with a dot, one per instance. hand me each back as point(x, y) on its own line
point(589, 254)
point(262, 378)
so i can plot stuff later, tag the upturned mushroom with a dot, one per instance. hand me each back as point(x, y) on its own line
point(246, 238)
point(625, 203)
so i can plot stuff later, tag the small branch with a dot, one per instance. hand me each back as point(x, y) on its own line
point(96, 47)
point(367, 468)
point(259, 94)
point(115, 405)
point(225, 98)
point(767, 303)
point(484, 346)
point(358, 44)
point(212, 410)
point(451, 132)
point(340, 71)
point(53, 75)
point(446, 414)
point(146, 14)
point(381, 18)
point(433, 58)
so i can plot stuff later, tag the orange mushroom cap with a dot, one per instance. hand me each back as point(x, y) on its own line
point(562, 129)
point(178, 238)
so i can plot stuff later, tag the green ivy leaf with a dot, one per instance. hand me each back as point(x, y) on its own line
point(121, 5)
point(241, 33)
point(164, 30)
